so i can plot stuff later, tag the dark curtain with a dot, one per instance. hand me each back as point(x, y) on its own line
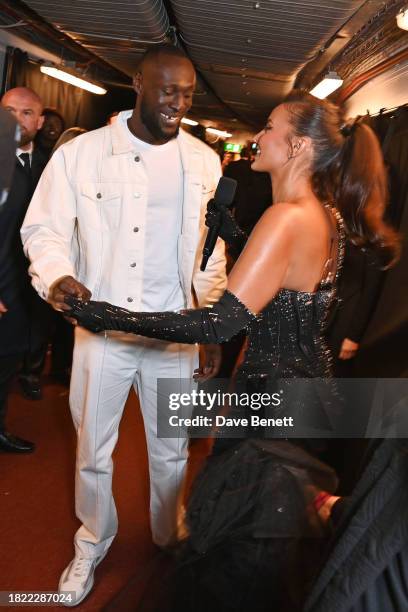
point(78, 107)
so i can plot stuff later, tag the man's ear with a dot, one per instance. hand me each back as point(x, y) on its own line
point(40, 122)
point(138, 82)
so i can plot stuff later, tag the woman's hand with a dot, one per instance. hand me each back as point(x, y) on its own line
point(325, 510)
point(228, 229)
point(3, 309)
point(323, 503)
point(87, 313)
point(348, 349)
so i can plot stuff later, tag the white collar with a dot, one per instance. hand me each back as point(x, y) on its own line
point(29, 151)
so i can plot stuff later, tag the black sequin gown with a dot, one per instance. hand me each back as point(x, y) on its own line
point(286, 340)
point(255, 540)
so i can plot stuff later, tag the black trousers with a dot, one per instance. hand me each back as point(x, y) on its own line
point(14, 326)
point(9, 367)
point(62, 345)
point(41, 324)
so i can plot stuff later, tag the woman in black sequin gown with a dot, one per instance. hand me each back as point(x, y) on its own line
point(252, 527)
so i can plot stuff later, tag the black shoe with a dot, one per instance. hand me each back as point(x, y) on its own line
point(31, 387)
point(12, 444)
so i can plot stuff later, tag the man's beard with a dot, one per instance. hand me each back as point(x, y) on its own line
point(150, 122)
point(25, 138)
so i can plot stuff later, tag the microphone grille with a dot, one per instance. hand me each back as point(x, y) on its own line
point(225, 191)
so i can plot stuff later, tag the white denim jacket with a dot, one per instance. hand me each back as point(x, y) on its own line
point(87, 219)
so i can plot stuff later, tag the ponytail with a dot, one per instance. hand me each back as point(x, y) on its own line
point(361, 194)
point(347, 168)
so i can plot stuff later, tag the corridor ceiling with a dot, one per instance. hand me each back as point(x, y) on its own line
point(248, 54)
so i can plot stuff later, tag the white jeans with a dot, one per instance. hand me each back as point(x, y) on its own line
point(105, 367)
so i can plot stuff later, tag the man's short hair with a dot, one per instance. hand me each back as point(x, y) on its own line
point(155, 51)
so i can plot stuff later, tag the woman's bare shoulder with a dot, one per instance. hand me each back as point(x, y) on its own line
point(280, 215)
point(262, 267)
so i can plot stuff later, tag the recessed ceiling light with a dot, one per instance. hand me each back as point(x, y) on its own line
point(327, 85)
point(67, 77)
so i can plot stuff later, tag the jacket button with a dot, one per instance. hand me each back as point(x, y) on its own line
point(136, 194)
point(137, 158)
point(99, 195)
point(130, 299)
point(135, 229)
point(133, 265)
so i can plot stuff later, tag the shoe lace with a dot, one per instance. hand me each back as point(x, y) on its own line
point(81, 567)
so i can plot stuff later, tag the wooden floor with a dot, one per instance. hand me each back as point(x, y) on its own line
point(37, 520)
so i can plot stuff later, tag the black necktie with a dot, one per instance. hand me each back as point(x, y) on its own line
point(25, 158)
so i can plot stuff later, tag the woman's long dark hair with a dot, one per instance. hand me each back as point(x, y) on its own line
point(348, 168)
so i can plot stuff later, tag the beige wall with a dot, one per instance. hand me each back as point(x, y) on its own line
point(387, 90)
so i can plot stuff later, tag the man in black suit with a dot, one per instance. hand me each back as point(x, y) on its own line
point(18, 321)
point(9, 139)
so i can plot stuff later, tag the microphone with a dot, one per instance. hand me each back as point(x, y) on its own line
point(223, 198)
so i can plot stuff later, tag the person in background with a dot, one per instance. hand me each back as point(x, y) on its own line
point(9, 139)
point(68, 135)
point(18, 301)
point(51, 130)
point(26, 107)
point(254, 190)
point(227, 158)
point(132, 198)
point(359, 289)
point(366, 566)
point(62, 339)
point(112, 118)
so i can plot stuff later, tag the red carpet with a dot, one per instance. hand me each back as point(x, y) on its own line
point(37, 520)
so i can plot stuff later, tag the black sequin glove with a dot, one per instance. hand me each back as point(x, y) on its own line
point(203, 325)
point(229, 230)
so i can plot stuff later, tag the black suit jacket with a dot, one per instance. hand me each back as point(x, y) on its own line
point(253, 195)
point(358, 291)
point(14, 279)
point(13, 264)
point(368, 555)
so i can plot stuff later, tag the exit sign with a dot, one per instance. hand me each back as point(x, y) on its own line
point(232, 148)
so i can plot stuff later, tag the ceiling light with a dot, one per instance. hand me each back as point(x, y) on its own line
point(218, 132)
point(189, 121)
point(402, 19)
point(330, 83)
point(72, 80)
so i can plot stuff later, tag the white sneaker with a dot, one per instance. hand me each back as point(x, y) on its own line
point(78, 578)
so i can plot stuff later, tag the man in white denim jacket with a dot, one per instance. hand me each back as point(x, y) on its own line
point(119, 214)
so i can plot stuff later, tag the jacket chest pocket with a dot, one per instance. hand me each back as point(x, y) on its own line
point(100, 205)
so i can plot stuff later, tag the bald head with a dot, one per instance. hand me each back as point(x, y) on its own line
point(27, 107)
